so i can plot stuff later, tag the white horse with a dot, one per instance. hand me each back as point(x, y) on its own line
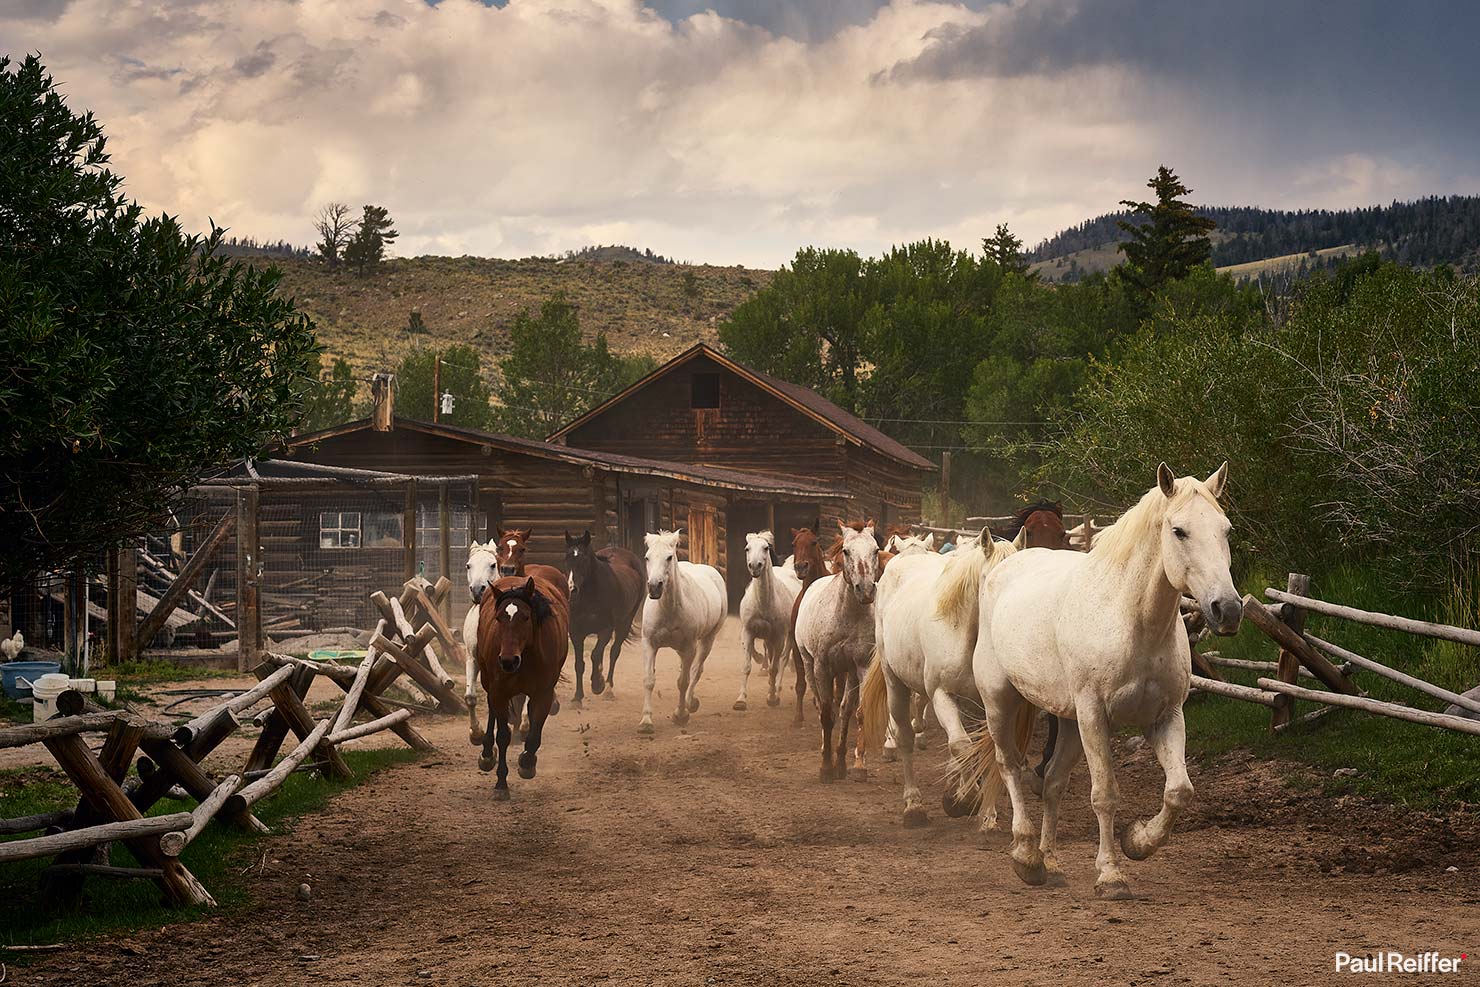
point(482, 572)
point(925, 624)
point(835, 638)
point(1097, 640)
point(684, 611)
point(898, 545)
point(765, 613)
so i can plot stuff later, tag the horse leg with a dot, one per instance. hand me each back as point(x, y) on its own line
point(475, 732)
point(517, 719)
point(960, 797)
point(1066, 754)
point(578, 642)
point(703, 655)
point(495, 710)
point(620, 632)
point(1094, 732)
point(846, 716)
point(598, 653)
point(1002, 709)
point(501, 784)
point(539, 711)
point(798, 663)
point(649, 681)
point(773, 671)
point(823, 686)
point(1168, 739)
point(685, 668)
point(747, 645)
point(921, 711)
point(900, 699)
point(1049, 745)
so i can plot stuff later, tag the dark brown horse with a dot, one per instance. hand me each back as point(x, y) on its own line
point(1041, 525)
point(523, 630)
point(606, 595)
point(810, 566)
point(510, 550)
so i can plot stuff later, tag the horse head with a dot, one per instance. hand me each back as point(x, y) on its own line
point(857, 557)
point(482, 569)
point(520, 611)
point(1045, 529)
point(511, 548)
point(806, 554)
point(662, 560)
point(579, 559)
point(1194, 545)
point(760, 553)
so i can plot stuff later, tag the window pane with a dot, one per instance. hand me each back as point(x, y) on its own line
point(383, 530)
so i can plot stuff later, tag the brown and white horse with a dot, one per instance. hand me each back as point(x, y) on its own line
point(809, 565)
point(523, 637)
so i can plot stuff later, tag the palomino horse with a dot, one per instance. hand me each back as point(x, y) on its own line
point(1097, 639)
point(809, 565)
point(523, 630)
point(765, 613)
point(685, 610)
point(925, 623)
point(835, 638)
point(605, 594)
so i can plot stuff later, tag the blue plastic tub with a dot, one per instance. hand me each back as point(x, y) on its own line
point(28, 670)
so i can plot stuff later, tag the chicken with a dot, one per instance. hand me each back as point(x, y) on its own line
point(12, 647)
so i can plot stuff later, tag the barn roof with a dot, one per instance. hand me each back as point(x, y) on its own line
point(805, 400)
point(712, 476)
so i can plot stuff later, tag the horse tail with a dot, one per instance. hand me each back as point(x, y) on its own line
point(978, 769)
point(873, 703)
point(960, 583)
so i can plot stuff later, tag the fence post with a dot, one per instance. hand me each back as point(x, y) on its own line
point(248, 579)
point(408, 528)
point(444, 544)
point(945, 490)
point(123, 608)
point(1289, 664)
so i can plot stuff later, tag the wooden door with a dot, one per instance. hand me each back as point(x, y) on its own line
point(703, 535)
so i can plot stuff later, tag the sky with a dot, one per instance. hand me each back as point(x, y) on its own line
point(737, 131)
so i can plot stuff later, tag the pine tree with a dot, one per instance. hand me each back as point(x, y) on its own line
point(366, 248)
point(1167, 238)
point(1006, 250)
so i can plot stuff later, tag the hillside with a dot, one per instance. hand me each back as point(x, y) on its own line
point(643, 306)
point(1425, 232)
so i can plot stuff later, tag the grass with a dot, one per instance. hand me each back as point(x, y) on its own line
point(1402, 763)
point(153, 671)
point(219, 857)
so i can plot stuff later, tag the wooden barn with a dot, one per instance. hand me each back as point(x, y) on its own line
point(552, 488)
point(706, 409)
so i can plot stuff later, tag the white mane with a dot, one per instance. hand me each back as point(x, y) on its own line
point(1118, 542)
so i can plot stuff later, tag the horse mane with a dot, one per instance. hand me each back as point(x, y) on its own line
point(671, 537)
point(1119, 541)
point(960, 581)
point(1020, 517)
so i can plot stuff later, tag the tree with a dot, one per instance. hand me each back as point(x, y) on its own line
point(333, 225)
point(1167, 238)
point(1005, 250)
point(137, 358)
point(366, 248)
point(551, 375)
point(330, 399)
point(462, 377)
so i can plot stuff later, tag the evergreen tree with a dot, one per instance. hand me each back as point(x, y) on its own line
point(366, 248)
point(462, 377)
point(1167, 237)
point(330, 399)
point(1006, 250)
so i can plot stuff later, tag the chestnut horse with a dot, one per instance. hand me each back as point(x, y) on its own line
point(523, 635)
point(605, 596)
point(808, 563)
point(1041, 525)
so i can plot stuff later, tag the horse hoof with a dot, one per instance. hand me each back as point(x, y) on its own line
point(889, 755)
point(1113, 891)
point(475, 737)
point(773, 700)
point(1029, 868)
point(1055, 878)
point(1035, 782)
point(956, 807)
point(596, 686)
point(526, 771)
point(610, 694)
point(485, 764)
point(694, 704)
point(825, 774)
point(858, 774)
point(645, 727)
point(578, 702)
point(680, 717)
point(915, 817)
point(1134, 844)
point(739, 706)
point(501, 795)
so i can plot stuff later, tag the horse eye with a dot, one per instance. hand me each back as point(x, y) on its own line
point(1179, 533)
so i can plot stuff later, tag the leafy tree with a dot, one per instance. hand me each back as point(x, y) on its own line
point(366, 247)
point(1005, 250)
point(551, 375)
point(1167, 237)
point(330, 400)
point(462, 377)
point(333, 226)
point(137, 359)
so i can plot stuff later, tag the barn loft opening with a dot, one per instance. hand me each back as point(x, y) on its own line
point(704, 391)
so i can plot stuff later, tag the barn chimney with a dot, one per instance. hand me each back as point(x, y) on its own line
point(383, 396)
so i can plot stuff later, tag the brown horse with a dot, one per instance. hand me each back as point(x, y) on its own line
point(510, 550)
point(607, 589)
point(1041, 525)
point(810, 566)
point(523, 637)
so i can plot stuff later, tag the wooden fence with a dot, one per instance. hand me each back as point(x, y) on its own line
point(1303, 655)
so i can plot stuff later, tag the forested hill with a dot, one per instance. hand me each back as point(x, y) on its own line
point(1435, 230)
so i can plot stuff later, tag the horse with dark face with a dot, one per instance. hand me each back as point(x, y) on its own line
point(523, 629)
point(605, 596)
point(810, 566)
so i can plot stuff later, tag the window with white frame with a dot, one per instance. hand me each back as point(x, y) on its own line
point(339, 529)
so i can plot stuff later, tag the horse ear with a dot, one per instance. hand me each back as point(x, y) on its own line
point(1165, 479)
point(1218, 480)
point(842, 527)
point(569, 541)
point(527, 590)
point(1021, 541)
point(586, 538)
point(539, 606)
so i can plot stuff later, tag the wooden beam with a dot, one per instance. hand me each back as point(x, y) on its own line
point(91, 836)
point(123, 607)
point(1459, 724)
point(1287, 668)
point(42, 820)
point(423, 675)
point(1427, 688)
point(178, 766)
point(374, 726)
point(275, 726)
point(188, 573)
point(1445, 632)
point(290, 704)
point(1287, 639)
point(269, 782)
point(408, 528)
point(173, 844)
point(1233, 691)
point(66, 726)
point(248, 579)
point(444, 535)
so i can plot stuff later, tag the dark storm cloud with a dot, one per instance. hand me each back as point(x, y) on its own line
point(801, 20)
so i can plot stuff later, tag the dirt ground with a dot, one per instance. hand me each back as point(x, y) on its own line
point(713, 855)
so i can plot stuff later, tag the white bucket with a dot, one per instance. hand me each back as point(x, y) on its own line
point(107, 689)
point(84, 685)
point(45, 690)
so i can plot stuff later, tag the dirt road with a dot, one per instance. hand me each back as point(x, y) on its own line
point(713, 855)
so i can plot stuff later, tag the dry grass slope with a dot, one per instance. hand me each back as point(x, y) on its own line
point(642, 307)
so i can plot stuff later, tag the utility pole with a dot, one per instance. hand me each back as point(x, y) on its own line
point(437, 390)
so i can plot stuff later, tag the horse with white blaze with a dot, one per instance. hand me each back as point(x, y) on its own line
point(1097, 639)
point(684, 611)
point(765, 613)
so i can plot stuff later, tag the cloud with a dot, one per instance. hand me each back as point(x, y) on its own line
point(738, 130)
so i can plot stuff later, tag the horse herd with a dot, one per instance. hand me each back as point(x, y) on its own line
point(886, 631)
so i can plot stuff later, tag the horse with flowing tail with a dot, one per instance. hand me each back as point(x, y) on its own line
point(765, 613)
point(486, 563)
point(925, 624)
point(1097, 639)
point(605, 595)
point(684, 611)
point(523, 630)
point(809, 564)
point(835, 638)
